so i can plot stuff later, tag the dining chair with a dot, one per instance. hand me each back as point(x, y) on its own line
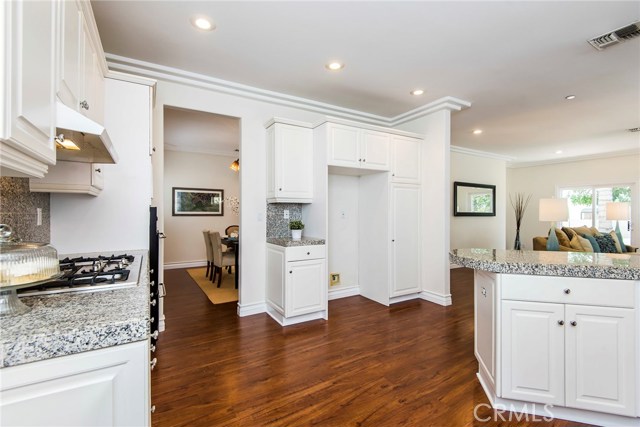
point(209, 248)
point(232, 229)
point(220, 259)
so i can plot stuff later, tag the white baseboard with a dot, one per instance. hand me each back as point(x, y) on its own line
point(343, 292)
point(401, 298)
point(251, 309)
point(189, 264)
point(436, 298)
point(286, 321)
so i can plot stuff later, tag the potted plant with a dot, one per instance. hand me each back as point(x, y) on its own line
point(296, 227)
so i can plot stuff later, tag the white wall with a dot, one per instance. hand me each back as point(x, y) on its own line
point(118, 218)
point(343, 228)
point(543, 181)
point(479, 231)
point(184, 243)
point(253, 114)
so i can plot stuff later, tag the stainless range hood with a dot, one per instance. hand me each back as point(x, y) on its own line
point(91, 138)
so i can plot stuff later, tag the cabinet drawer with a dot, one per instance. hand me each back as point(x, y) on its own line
point(300, 253)
point(569, 290)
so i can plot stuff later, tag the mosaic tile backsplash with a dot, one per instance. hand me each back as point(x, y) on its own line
point(277, 226)
point(18, 210)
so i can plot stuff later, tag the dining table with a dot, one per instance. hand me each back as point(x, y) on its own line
point(233, 242)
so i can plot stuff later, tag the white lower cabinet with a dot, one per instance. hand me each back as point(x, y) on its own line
point(568, 342)
point(296, 283)
point(108, 387)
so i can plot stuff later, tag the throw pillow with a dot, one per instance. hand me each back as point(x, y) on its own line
point(606, 243)
point(623, 247)
point(593, 242)
point(569, 232)
point(581, 244)
point(563, 240)
point(583, 230)
point(614, 236)
point(595, 231)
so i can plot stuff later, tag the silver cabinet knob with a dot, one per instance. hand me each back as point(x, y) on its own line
point(153, 408)
point(99, 170)
point(573, 323)
point(308, 253)
point(153, 303)
point(567, 291)
point(153, 363)
point(560, 322)
point(84, 105)
point(155, 335)
point(364, 160)
point(153, 319)
point(290, 271)
point(152, 348)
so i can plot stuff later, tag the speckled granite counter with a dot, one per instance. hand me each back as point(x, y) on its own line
point(543, 263)
point(287, 241)
point(68, 323)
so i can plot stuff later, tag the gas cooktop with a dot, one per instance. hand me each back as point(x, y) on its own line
point(92, 272)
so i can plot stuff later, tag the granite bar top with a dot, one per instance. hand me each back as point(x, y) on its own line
point(547, 263)
point(69, 323)
point(288, 241)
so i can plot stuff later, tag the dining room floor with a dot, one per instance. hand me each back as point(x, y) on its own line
point(410, 364)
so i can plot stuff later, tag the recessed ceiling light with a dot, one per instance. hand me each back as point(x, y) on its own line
point(558, 151)
point(202, 23)
point(477, 131)
point(570, 97)
point(417, 92)
point(334, 66)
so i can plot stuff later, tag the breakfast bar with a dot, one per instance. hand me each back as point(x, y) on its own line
point(557, 333)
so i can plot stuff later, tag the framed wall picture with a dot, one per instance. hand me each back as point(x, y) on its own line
point(197, 202)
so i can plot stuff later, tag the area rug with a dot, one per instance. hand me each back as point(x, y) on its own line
point(225, 293)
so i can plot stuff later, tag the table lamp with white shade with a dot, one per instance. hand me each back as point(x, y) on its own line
point(618, 211)
point(553, 210)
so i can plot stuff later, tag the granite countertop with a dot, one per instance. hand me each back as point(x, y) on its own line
point(546, 263)
point(288, 241)
point(68, 323)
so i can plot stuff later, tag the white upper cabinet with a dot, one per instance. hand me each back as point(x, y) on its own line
point(289, 162)
point(405, 159)
point(80, 82)
point(357, 148)
point(27, 107)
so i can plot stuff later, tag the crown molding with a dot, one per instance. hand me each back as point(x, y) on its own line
point(200, 150)
point(516, 165)
point(478, 153)
point(175, 75)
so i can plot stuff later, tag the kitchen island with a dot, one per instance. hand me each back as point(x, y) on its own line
point(79, 358)
point(557, 333)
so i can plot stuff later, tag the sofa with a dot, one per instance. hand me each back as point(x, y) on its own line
point(571, 239)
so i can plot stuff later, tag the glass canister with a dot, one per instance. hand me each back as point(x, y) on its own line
point(22, 264)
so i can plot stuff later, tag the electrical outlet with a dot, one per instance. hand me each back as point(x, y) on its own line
point(334, 279)
point(286, 214)
point(38, 216)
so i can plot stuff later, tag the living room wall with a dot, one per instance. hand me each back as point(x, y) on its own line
point(543, 182)
point(479, 232)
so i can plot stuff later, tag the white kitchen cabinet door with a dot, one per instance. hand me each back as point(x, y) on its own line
point(290, 164)
point(344, 146)
point(374, 150)
point(92, 96)
point(601, 359)
point(405, 239)
point(305, 288)
point(27, 107)
point(533, 352)
point(101, 387)
point(70, 67)
point(405, 160)
point(275, 278)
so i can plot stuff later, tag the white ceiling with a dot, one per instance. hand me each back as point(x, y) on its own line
point(515, 61)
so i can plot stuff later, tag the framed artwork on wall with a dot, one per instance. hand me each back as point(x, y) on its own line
point(197, 202)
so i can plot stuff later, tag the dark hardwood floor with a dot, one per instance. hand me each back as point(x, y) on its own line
point(411, 364)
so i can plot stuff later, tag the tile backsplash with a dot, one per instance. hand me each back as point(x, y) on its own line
point(277, 226)
point(18, 210)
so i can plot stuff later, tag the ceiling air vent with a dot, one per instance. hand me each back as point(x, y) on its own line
point(634, 130)
point(616, 36)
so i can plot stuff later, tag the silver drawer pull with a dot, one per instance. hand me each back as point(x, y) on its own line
point(153, 363)
point(153, 303)
point(153, 319)
point(153, 408)
point(567, 291)
point(152, 348)
point(84, 104)
point(99, 170)
point(155, 335)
